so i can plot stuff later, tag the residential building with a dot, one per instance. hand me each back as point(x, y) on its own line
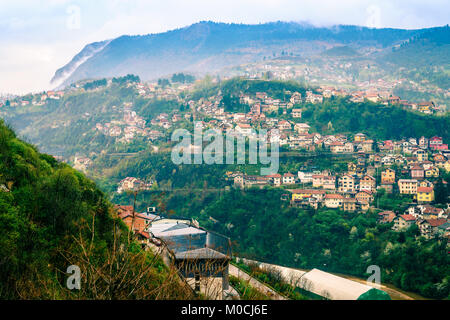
point(435, 142)
point(432, 172)
point(301, 127)
point(346, 183)
point(317, 180)
point(305, 177)
point(421, 154)
point(360, 137)
point(367, 183)
point(386, 217)
point(333, 200)
point(244, 129)
point(300, 194)
point(275, 179)
point(329, 183)
point(349, 204)
point(403, 222)
point(296, 113)
point(417, 172)
point(407, 186)
point(388, 176)
point(425, 194)
point(364, 196)
point(429, 227)
point(288, 178)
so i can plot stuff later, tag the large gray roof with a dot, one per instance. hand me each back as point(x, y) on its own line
point(201, 253)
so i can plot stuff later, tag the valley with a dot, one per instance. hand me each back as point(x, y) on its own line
point(354, 120)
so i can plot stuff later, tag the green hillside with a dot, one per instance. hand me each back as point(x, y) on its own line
point(376, 120)
point(431, 47)
point(51, 217)
point(332, 240)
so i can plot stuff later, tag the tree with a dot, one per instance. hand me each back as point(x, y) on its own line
point(441, 192)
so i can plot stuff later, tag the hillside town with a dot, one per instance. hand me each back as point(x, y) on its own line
point(410, 167)
point(347, 73)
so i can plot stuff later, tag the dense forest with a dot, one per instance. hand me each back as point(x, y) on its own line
point(429, 48)
point(338, 115)
point(52, 217)
point(265, 228)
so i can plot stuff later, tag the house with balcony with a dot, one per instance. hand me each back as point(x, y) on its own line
point(333, 200)
point(403, 222)
point(346, 183)
point(425, 194)
point(407, 186)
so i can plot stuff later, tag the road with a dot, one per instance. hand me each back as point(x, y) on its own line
point(238, 273)
point(293, 275)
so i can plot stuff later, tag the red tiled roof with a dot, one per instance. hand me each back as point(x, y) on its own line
point(425, 189)
point(436, 222)
point(333, 196)
point(123, 208)
point(306, 191)
point(288, 175)
point(408, 217)
point(146, 235)
point(432, 210)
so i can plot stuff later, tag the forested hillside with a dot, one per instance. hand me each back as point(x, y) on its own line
point(208, 46)
point(328, 239)
point(67, 126)
point(338, 115)
point(51, 217)
point(430, 48)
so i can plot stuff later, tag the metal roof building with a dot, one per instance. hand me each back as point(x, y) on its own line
point(183, 236)
point(202, 257)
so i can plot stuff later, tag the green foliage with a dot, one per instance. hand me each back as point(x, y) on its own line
point(95, 84)
point(376, 120)
point(273, 279)
point(431, 47)
point(163, 82)
point(52, 216)
point(276, 89)
point(265, 228)
point(246, 291)
point(232, 103)
point(182, 78)
point(125, 79)
point(442, 189)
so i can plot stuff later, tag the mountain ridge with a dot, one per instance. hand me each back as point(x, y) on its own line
point(209, 46)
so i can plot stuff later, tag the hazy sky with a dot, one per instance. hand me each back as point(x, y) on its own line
point(39, 36)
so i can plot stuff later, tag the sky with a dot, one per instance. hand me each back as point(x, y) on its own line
point(39, 36)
